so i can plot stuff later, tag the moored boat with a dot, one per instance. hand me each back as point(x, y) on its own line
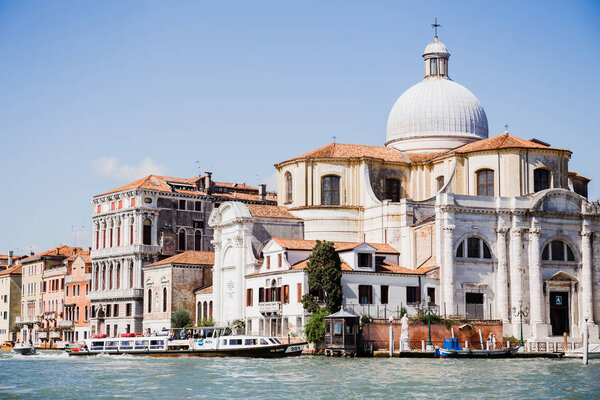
point(452, 349)
point(593, 352)
point(25, 349)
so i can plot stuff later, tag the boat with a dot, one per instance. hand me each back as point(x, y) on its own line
point(7, 346)
point(25, 349)
point(207, 342)
point(452, 349)
point(593, 351)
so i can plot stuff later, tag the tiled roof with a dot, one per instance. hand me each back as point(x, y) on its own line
point(84, 254)
point(262, 210)
point(14, 270)
point(576, 175)
point(241, 186)
point(385, 268)
point(207, 289)
point(189, 257)
point(64, 251)
point(423, 157)
point(340, 150)
point(300, 244)
point(4, 257)
point(304, 265)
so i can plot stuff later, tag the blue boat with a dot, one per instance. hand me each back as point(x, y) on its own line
point(452, 349)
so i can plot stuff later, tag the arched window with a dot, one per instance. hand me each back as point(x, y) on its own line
point(103, 282)
point(485, 182)
point(473, 248)
point(440, 182)
point(96, 276)
point(210, 307)
point(288, 187)
point(77, 314)
point(330, 190)
point(118, 272)
point(541, 179)
point(392, 189)
point(147, 234)
point(131, 275)
point(85, 313)
point(181, 240)
point(149, 300)
point(164, 299)
point(433, 66)
point(110, 278)
point(557, 250)
point(205, 310)
point(199, 311)
point(197, 241)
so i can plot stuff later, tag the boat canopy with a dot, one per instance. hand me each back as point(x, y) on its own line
point(452, 343)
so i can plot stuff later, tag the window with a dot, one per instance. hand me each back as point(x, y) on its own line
point(475, 248)
point(433, 66)
point(557, 250)
point(131, 275)
point(330, 190)
point(181, 240)
point(286, 294)
point(97, 239)
point(288, 187)
point(392, 189)
point(147, 236)
point(541, 179)
point(268, 262)
point(365, 260)
point(279, 260)
point(413, 294)
point(133, 202)
point(485, 182)
point(164, 299)
point(440, 182)
point(198, 224)
point(85, 313)
point(261, 295)
point(198, 206)
point(248, 297)
point(299, 293)
point(197, 241)
point(128, 310)
point(116, 310)
point(118, 236)
point(385, 293)
point(365, 294)
point(149, 300)
point(431, 296)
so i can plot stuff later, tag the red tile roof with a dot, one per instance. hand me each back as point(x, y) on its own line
point(189, 257)
point(13, 270)
point(262, 210)
point(85, 254)
point(300, 244)
point(64, 251)
point(576, 175)
point(304, 265)
point(341, 150)
point(4, 257)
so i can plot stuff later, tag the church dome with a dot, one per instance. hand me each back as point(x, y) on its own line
point(435, 114)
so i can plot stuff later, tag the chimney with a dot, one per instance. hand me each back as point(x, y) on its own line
point(262, 191)
point(89, 249)
point(57, 251)
point(208, 182)
point(31, 253)
point(10, 257)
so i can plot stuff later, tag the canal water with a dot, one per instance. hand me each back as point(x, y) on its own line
point(54, 375)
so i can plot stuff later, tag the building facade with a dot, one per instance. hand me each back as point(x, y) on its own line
point(76, 322)
point(10, 301)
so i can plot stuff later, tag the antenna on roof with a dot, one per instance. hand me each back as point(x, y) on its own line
point(506, 128)
point(198, 167)
point(334, 137)
point(435, 26)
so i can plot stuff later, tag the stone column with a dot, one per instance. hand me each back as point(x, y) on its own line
point(516, 269)
point(535, 282)
point(586, 276)
point(448, 272)
point(502, 276)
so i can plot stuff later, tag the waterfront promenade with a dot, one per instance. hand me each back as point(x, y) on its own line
point(54, 375)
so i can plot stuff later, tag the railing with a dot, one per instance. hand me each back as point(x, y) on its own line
point(271, 306)
point(115, 293)
point(122, 250)
point(385, 310)
point(26, 320)
point(54, 335)
point(42, 335)
point(65, 324)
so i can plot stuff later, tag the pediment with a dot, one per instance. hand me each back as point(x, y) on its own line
point(558, 200)
point(561, 276)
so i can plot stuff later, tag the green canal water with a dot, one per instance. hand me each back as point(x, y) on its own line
point(56, 376)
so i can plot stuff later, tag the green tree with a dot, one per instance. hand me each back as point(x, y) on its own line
point(324, 279)
point(315, 326)
point(181, 318)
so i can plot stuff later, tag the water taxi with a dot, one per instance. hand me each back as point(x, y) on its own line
point(7, 346)
point(205, 342)
point(24, 349)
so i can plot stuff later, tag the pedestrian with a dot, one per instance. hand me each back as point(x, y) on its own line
point(493, 341)
point(182, 334)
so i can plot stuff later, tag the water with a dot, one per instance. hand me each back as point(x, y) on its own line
point(53, 375)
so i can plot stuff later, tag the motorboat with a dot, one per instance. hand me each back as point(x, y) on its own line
point(206, 342)
point(25, 349)
point(452, 349)
point(7, 346)
point(593, 351)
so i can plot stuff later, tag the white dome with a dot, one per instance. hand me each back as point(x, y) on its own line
point(437, 107)
point(435, 47)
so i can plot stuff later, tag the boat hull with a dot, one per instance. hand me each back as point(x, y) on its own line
point(504, 353)
point(24, 351)
point(278, 351)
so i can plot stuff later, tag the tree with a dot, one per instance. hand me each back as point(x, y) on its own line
point(315, 326)
point(181, 318)
point(324, 279)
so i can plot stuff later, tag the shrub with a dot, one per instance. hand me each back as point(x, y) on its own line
point(181, 318)
point(206, 322)
point(315, 326)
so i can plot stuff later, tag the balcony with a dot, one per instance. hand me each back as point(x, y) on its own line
point(42, 335)
point(115, 294)
point(54, 335)
point(65, 324)
point(125, 250)
point(269, 307)
point(26, 321)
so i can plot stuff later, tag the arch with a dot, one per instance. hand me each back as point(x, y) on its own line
point(485, 182)
point(205, 309)
point(110, 277)
point(181, 240)
point(330, 190)
point(164, 299)
point(149, 300)
point(77, 314)
point(558, 250)
point(473, 247)
point(210, 309)
point(439, 182)
point(393, 189)
point(198, 240)
point(199, 311)
point(541, 179)
point(85, 313)
point(147, 232)
point(288, 187)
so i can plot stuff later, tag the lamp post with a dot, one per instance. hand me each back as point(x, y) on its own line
point(428, 310)
point(521, 312)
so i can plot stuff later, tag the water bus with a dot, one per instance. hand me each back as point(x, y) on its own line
point(204, 342)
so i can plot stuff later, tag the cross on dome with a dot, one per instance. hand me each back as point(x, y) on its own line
point(435, 26)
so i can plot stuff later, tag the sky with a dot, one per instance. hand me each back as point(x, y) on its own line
point(96, 94)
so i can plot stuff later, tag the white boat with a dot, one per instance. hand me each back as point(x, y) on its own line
point(593, 351)
point(24, 349)
point(211, 342)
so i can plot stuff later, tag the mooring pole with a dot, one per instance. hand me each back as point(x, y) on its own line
point(585, 343)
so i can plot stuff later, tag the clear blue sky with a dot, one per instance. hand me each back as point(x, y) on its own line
point(95, 93)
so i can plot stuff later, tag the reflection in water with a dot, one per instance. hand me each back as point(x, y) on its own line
point(55, 375)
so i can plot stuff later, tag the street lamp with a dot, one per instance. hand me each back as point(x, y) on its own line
point(428, 310)
point(521, 312)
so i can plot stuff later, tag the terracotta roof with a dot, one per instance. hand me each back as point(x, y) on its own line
point(84, 254)
point(396, 269)
point(576, 175)
point(304, 265)
point(65, 251)
point(189, 257)
point(14, 270)
point(300, 244)
point(207, 289)
point(341, 150)
point(262, 210)
point(423, 157)
point(241, 186)
point(4, 257)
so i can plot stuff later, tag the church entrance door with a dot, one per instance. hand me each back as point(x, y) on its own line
point(559, 312)
point(474, 303)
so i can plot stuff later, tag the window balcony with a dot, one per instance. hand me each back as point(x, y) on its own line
point(125, 250)
point(65, 324)
point(268, 307)
point(42, 335)
point(115, 294)
point(26, 320)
